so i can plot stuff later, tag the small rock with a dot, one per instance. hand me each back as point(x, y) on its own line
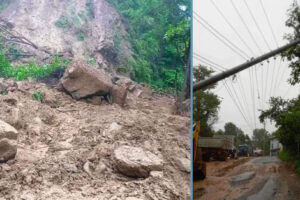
point(184, 164)
point(86, 168)
point(156, 174)
point(5, 167)
point(133, 198)
point(62, 146)
point(113, 128)
point(8, 141)
point(135, 162)
point(70, 167)
point(101, 167)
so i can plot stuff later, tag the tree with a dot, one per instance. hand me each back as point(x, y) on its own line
point(293, 54)
point(219, 132)
point(239, 136)
point(261, 140)
point(286, 114)
point(205, 103)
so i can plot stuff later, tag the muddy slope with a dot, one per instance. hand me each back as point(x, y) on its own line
point(81, 29)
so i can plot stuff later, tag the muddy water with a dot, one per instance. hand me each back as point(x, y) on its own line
point(259, 178)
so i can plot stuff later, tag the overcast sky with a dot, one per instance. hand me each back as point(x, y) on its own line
point(259, 77)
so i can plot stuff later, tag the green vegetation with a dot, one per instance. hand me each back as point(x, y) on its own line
point(62, 22)
point(284, 155)
point(159, 33)
point(14, 52)
point(205, 103)
point(297, 166)
point(80, 36)
point(4, 4)
point(22, 72)
point(286, 114)
point(92, 61)
point(3, 92)
point(89, 4)
point(38, 96)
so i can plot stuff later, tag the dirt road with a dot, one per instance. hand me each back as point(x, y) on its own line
point(261, 178)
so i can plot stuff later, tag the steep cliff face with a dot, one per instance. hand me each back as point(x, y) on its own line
point(83, 29)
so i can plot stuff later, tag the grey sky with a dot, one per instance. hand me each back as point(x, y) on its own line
point(208, 46)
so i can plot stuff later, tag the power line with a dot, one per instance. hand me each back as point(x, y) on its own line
point(268, 20)
point(232, 27)
point(209, 64)
point(243, 99)
point(244, 23)
point(210, 28)
point(210, 61)
point(230, 94)
point(258, 27)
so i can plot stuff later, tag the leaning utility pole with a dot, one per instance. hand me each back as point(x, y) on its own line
point(213, 79)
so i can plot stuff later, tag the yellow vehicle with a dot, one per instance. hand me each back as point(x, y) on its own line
point(199, 166)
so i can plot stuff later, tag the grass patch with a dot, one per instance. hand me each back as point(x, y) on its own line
point(92, 61)
point(284, 155)
point(62, 22)
point(21, 72)
point(38, 96)
point(80, 36)
point(3, 92)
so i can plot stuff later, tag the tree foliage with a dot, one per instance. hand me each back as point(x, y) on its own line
point(286, 114)
point(159, 33)
point(205, 103)
point(239, 136)
point(293, 54)
point(261, 140)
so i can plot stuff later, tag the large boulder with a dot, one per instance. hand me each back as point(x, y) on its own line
point(83, 81)
point(8, 141)
point(135, 162)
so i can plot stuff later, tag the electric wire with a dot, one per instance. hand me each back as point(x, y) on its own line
point(256, 23)
point(245, 24)
point(210, 28)
point(268, 20)
point(232, 27)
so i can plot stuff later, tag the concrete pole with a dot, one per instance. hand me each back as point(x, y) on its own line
point(213, 79)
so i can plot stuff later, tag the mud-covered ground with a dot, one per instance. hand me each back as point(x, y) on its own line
point(259, 178)
point(58, 136)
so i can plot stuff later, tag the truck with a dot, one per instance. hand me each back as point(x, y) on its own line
point(199, 166)
point(219, 147)
point(244, 150)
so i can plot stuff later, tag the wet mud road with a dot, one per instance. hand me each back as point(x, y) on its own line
point(259, 178)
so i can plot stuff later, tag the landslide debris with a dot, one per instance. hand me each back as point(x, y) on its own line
point(70, 149)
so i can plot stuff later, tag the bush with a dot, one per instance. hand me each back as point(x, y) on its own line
point(91, 61)
point(285, 156)
point(3, 4)
point(80, 36)
point(62, 22)
point(38, 96)
point(297, 166)
point(33, 70)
